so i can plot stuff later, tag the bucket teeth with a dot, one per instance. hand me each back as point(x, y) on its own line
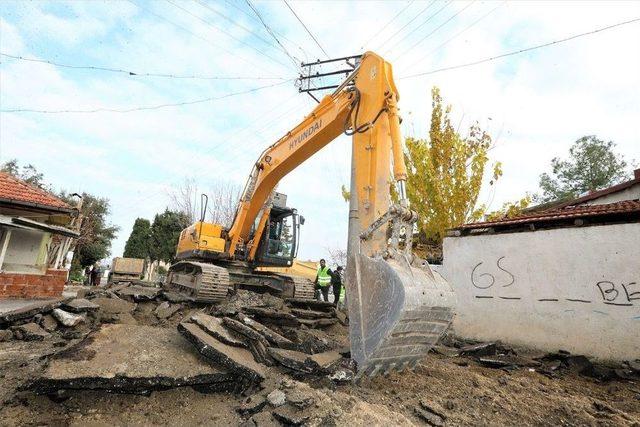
point(397, 313)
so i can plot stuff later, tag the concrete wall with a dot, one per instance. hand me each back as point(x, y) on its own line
point(630, 193)
point(576, 289)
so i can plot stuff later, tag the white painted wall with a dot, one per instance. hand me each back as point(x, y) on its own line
point(25, 252)
point(576, 288)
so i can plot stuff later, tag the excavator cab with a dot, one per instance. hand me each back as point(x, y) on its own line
point(279, 243)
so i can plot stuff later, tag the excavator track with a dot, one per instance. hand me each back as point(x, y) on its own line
point(202, 282)
point(302, 288)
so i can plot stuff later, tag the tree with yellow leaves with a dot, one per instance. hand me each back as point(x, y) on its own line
point(446, 173)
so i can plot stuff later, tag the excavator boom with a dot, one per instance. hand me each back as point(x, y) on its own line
point(398, 307)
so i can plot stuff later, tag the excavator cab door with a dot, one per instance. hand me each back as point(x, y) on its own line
point(279, 242)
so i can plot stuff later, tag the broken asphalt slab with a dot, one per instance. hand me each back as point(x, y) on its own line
point(482, 349)
point(291, 359)
point(213, 326)
point(310, 304)
point(312, 314)
point(235, 359)
point(245, 330)
point(140, 293)
point(80, 305)
point(272, 336)
point(29, 332)
point(273, 316)
point(314, 363)
point(12, 310)
point(131, 359)
point(166, 310)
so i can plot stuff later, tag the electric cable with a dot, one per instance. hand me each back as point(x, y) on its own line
point(384, 27)
point(306, 29)
point(272, 33)
point(142, 108)
point(134, 73)
point(519, 51)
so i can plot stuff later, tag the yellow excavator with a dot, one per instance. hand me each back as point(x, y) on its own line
point(398, 307)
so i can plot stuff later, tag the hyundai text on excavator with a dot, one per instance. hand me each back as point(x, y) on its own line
point(398, 307)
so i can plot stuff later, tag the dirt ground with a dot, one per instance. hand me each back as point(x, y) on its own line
point(463, 391)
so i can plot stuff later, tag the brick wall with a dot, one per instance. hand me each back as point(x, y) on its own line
point(16, 285)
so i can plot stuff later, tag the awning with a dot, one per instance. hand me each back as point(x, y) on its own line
point(20, 222)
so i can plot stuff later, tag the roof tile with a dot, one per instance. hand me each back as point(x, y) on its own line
point(14, 189)
point(580, 211)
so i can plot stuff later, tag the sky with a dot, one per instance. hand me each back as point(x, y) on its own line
point(236, 84)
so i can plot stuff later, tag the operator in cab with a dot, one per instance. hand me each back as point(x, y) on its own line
point(323, 281)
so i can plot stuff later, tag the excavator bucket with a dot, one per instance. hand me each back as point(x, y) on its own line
point(397, 312)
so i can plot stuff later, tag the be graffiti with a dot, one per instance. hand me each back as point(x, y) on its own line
point(622, 294)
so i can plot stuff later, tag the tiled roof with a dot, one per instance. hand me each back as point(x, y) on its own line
point(14, 190)
point(625, 207)
point(610, 190)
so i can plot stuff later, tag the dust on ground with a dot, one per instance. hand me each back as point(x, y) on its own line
point(445, 389)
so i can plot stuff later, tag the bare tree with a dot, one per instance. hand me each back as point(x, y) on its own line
point(224, 197)
point(337, 256)
point(223, 200)
point(184, 197)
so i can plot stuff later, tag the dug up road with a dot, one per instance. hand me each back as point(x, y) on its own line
point(445, 389)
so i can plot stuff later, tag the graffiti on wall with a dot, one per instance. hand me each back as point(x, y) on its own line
point(495, 276)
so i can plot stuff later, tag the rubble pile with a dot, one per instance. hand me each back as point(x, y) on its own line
point(281, 361)
point(498, 355)
point(268, 331)
point(130, 337)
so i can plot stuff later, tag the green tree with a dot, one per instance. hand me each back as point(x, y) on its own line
point(592, 165)
point(446, 173)
point(139, 242)
point(96, 234)
point(27, 173)
point(165, 232)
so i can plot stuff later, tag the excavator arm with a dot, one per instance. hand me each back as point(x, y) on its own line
point(369, 100)
point(398, 306)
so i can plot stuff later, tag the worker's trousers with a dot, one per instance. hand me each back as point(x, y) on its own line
point(324, 292)
point(337, 288)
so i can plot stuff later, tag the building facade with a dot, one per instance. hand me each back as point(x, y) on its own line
point(36, 235)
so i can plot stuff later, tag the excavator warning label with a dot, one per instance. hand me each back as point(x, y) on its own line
point(300, 138)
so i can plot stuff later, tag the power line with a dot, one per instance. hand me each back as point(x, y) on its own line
point(306, 28)
point(407, 24)
point(280, 47)
point(429, 18)
point(195, 35)
point(458, 33)
point(254, 18)
point(134, 73)
point(225, 32)
point(272, 33)
point(516, 52)
point(384, 27)
point(142, 108)
point(226, 18)
point(231, 163)
point(435, 29)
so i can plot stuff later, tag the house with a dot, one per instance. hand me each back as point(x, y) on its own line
point(36, 233)
point(564, 278)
